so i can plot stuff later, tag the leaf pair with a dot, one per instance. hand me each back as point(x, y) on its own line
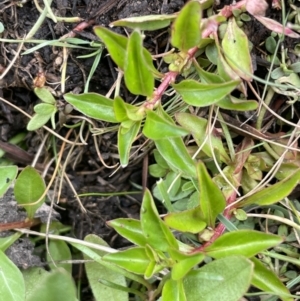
point(130, 55)
point(211, 203)
point(43, 111)
point(160, 127)
point(151, 234)
point(28, 189)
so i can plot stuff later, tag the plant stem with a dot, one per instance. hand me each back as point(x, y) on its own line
point(263, 110)
point(20, 224)
point(38, 23)
point(58, 19)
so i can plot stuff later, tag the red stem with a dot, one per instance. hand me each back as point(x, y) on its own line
point(19, 224)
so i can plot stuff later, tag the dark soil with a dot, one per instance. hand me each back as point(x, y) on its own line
point(86, 172)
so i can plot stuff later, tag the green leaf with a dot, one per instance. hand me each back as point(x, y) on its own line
point(12, 286)
point(130, 229)
point(242, 242)
point(149, 22)
point(186, 221)
point(186, 32)
point(232, 103)
point(45, 95)
point(180, 269)
point(117, 47)
point(7, 176)
point(37, 121)
point(6, 242)
point(125, 111)
point(211, 51)
point(157, 171)
point(44, 109)
point(224, 70)
point(156, 127)
point(32, 278)
point(156, 264)
point(197, 126)
point(134, 260)
point(125, 139)
point(28, 189)
point(59, 251)
point(158, 235)
point(208, 77)
point(159, 159)
point(274, 193)
point(116, 44)
point(138, 78)
point(202, 95)
point(224, 279)
point(236, 50)
point(95, 271)
point(173, 291)
point(96, 257)
point(270, 44)
point(212, 200)
point(266, 280)
point(93, 105)
point(57, 285)
point(175, 153)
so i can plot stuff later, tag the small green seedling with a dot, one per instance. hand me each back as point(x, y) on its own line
point(43, 111)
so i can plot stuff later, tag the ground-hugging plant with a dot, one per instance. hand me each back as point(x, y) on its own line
point(213, 55)
point(185, 255)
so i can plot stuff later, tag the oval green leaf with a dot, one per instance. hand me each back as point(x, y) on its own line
point(44, 109)
point(93, 105)
point(37, 121)
point(125, 139)
point(28, 189)
point(186, 221)
point(12, 286)
point(186, 32)
point(57, 285)
point(224, 279)
point(156, 127)
point(157, 233)
point(212, 200)
point(45, 95)
point(180, 269)
point(138, 78)
point(274, 193)
point(94, 271)
point(32, 277)
point(202, 95)
point(233, 103)
point(130, 229)
point(242, 242)
point(133, 260)
point(236, 50)
point(267, 281)
point(149, 22)
point(116, 44)
point(59, 251)
point(175, 153)
point(7, 176)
